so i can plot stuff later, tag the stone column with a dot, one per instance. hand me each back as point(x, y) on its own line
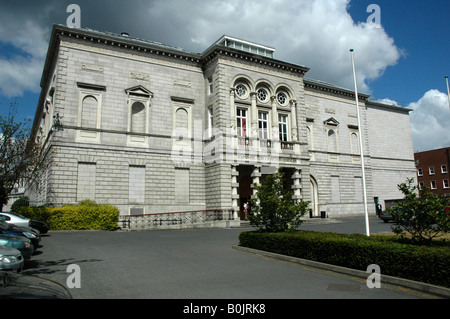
point(256, 174)
point(294, 120)
point(234, 192)
point(297, 186)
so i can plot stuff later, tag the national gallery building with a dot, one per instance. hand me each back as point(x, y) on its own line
point(152, 128)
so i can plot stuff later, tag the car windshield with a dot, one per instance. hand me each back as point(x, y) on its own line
point(18, 215)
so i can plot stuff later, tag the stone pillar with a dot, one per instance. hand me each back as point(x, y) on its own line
point(234, 192)
point(297, 186)
point(256, 174)
point(294, 121)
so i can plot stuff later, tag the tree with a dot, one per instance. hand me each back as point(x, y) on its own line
point(424, 216)
point(274, 210)
point(19, 155)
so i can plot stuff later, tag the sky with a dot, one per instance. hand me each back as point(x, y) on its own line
point(401, 47)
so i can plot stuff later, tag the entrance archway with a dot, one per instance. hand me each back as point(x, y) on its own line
point(314, 196)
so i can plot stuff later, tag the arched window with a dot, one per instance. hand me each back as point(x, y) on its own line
point(354, 143)
point(89, 112)
point(332, 141)
point(138, 117)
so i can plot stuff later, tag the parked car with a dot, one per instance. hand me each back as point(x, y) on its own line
point(11, 259)
point(21, 243)
point(19, 220)
point(18, 286)
point(11, 229)
point(384, 215)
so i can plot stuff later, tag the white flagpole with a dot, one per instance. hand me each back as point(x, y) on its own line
point(366, 214)
point(448, 91)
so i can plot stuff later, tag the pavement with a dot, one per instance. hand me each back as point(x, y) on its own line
point(199, 264)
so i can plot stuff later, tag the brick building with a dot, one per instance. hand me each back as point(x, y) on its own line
point(432, 170)
point(152, 128)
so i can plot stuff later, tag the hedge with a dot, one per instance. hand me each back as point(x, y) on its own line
point(428, 264)
point(76, 217)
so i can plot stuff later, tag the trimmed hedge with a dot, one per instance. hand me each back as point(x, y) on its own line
point(428, 264)
point(76, 217)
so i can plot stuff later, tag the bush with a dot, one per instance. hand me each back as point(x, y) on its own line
point(396, 258)
point(275, 210)
point(23, 201)
point(76, 217)
point(423, 217)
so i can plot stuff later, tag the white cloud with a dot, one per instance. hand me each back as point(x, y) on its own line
point(22, 67)
point(430, 121)
point(314, 33)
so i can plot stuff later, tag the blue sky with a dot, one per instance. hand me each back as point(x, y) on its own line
point(403, 62)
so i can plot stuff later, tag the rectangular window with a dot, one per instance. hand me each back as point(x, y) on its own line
point(210, 86)
point(263, 124)
point(136, 184)
point(431, 170)
point(335, 189)
point(86, 181)
point(419, 172)
point(358, 190)
point(433, 185)
point(445, 184)
point(443, 169)
point(182, 186)
point(283, 127)
point(242, 122)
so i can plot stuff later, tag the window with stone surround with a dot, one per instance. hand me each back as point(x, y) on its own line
point(241, 117)
point(86, 181)
point(283, 127)
point(263, 125)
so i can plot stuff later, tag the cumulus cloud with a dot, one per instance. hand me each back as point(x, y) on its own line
point(430, 121)
point(314, 33)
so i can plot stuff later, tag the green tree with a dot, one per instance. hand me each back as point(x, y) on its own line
point(274, 210)
point(19, 155)
point(423, 217)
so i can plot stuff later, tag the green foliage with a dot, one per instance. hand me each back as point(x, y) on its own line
point(398, 258)
point(19, 154)
point(275, 210)
point(423, 217)
point(21, 202)
point(86, 215)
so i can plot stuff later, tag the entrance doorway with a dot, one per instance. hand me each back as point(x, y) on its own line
point(245, 188)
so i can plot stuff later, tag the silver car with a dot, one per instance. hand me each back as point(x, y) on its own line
point(14, 218)
point(11, 259)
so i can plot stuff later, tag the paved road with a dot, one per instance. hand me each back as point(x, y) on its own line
point(192, 264)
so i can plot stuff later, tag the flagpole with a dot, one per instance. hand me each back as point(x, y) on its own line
point(448, 91)
point(366, 214)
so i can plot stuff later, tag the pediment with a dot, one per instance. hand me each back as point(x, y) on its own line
point(331, 121)
point(139, 90)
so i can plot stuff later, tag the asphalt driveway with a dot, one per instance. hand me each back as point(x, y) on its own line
point(192, 264)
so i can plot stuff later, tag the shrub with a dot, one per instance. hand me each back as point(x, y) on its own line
point(402, 259)
point(23, 201)
point(424, 217)
point(275, 210)
point(76, 217)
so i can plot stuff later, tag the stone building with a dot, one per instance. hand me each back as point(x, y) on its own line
point(152, 128)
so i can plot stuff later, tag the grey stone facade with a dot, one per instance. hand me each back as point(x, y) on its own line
point(153, 129)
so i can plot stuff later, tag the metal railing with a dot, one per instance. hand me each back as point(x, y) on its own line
point(175, 219)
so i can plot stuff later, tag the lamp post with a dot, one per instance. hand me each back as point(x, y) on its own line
point(366, 214)
point(448, 91)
